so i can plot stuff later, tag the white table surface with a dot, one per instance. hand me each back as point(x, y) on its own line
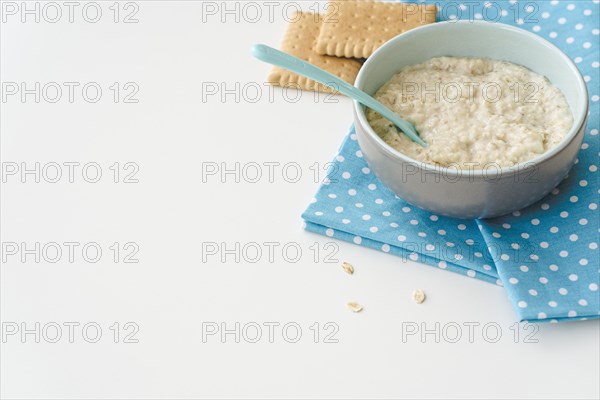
point(171, 295)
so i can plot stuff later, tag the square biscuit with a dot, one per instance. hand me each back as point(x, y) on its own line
point(299, 41)
point(357, 28)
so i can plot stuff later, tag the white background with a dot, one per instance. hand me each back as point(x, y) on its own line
point(170, 53)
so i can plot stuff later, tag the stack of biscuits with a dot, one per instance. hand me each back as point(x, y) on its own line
point(349, 32)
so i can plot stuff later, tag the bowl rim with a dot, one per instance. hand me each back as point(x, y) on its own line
point(578, 120)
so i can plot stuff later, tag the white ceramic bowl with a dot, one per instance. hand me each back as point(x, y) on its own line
point(472, 194)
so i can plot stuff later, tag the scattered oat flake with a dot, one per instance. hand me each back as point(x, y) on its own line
point(348, 268)
point(418, 296)
point(354, 307)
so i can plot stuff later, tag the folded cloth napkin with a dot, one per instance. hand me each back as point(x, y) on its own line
point(546, 256)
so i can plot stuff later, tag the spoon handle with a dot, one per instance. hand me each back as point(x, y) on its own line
point(294, 64)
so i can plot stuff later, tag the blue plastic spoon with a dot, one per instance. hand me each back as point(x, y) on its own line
point(294, 64)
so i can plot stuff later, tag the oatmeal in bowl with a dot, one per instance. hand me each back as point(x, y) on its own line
point(503, 112)
point(473, 112)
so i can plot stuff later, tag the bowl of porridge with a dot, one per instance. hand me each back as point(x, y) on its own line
point(503, 112)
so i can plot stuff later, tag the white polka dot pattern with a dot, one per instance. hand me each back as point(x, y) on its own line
point(545, 256)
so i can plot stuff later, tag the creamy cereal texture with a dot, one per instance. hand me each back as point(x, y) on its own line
point(473, 112)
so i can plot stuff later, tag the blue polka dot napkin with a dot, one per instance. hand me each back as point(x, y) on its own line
point(546, 256)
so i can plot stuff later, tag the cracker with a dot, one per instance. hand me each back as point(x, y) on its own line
point(299, 41)
point(358, 28)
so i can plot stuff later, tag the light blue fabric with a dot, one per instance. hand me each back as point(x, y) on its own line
point(546, 256)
